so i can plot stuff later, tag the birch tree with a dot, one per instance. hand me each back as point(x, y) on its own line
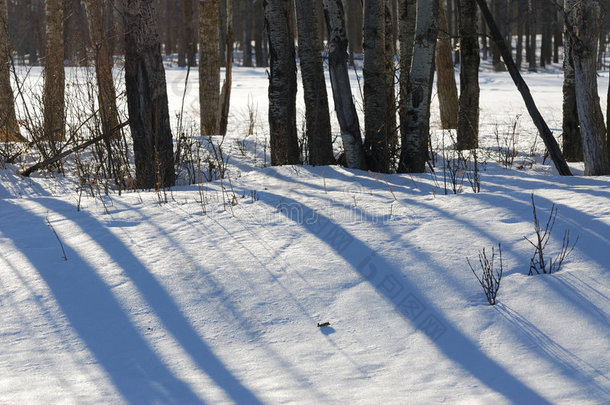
point(9, 129)
point(468, 115)
point(147, 97)
point(54, 75)
point(584, 21)
point(282, 84)
point(339, 79)
point(571, 139)
point(375, 84)
point(415, 136)
point(209, 66)
point(317, 117)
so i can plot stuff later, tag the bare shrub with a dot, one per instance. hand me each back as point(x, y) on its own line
point(489, 279)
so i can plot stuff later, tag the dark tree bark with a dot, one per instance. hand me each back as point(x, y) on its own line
point(319, 140)
point(355, 22)
point(147, 98)
point(390, 53)
point(225, 92)
point(413, 155)
point(499, 11)
point(406, 35)
point(282, 84)
point(572, 141)
point(584, 24)
point(342, 92)
point(546, 134)
point(531, 12)
point(54, 75)
point(468, 116)
point(375, 83)
point(247, 14)
point(445, 79)
point(261, 55)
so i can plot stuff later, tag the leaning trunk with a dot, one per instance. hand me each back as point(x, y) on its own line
point(342, 92)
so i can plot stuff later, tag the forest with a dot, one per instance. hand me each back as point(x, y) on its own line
point(308, 201)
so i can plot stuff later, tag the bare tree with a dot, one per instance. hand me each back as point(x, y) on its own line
point(282, 84)
point(583, 18)
point(415, 136)
point(9, 130)
point(571, 139)
point(375, 83)
point(147, 98)
point(445, 82)
point(54, 75)
point(468, 116)
point(103, 65)
point(339, 79)
point(317, 117)
point(209, 66)
point(406, 35)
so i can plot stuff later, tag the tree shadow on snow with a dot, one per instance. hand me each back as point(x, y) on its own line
point(135, 369)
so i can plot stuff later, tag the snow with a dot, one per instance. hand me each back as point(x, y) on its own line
point(159, 303)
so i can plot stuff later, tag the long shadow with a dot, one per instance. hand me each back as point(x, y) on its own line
point(160, 302)
point(135, 370)
point(397, 288)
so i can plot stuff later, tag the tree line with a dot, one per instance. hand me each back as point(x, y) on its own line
point(402, 44)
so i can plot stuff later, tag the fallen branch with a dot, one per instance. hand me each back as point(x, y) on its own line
point(41, 165)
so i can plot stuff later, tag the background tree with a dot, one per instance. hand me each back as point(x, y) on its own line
point(209, 66)
point(319, 141)
point(103, 65)
point(414, 150)
point(9, 129)
point(468, 116)
point(339, 79)
point(375, 83)
point(584, 20)
point(54, 75)
point(147, 98)
point(282, 84)
point(445, 82)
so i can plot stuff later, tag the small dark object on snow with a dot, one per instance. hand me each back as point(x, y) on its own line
point(321, 325)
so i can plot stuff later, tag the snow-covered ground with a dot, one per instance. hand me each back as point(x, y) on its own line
point(160, 303)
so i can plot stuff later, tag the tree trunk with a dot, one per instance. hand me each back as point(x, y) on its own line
point(9, 130)
point(375, 83)
point(225, 92)
point(190, 35)
point(445, 79)
point(247, 14)
point(407, 10)
point(54, 76)
point(499, 10)
point(531, 12)
point(546, 134)
point(103, 66)
point(342, 92)
point(390, 53)
point(259, 37)
point(468, 118)
point(209, 66)
point(319, 140)
point(571, 139)
point(282, 84)
point(147, 98)
point(354, 26)
point(414, 151)
point(584, 18)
